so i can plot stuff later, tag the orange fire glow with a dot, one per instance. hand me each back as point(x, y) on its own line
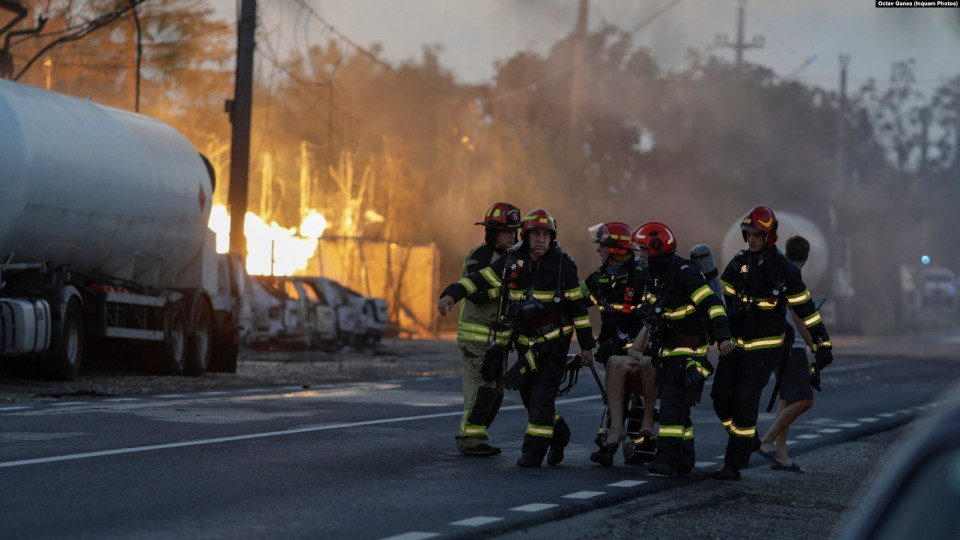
point(271, 249)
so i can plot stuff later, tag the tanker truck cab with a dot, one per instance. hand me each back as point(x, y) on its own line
point(104, 244)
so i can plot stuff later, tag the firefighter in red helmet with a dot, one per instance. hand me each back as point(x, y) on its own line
point(483, 345)
point(543, 306)
point(683, 316)
point(758, 284)
point(615, 288)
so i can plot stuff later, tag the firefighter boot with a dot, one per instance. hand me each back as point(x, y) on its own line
point(728, 472)
point(659, 468)
point(604, 456)
point(529, 461)
point(481, 450)
point(561, 437)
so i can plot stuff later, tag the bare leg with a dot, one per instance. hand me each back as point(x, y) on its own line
point(616, 376)
point(776, 435)
point(768, 442)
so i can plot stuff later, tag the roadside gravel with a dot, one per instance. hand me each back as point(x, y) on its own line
point(764, 505)
point(255, 368)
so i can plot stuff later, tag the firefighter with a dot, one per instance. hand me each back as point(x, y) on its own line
point(615, 288)
point(758, 283)
point(544, 307)
point(484, 349)
point(682, 315)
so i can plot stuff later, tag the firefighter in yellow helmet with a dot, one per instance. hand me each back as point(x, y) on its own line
point(483, 345)
point(544, 306)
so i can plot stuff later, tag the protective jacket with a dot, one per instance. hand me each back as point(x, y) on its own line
point(481, 310)
point(686, 313)
point(544, 299)
point(616, 294)
point(758, 290)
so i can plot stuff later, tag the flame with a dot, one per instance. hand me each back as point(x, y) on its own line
point(271, 249)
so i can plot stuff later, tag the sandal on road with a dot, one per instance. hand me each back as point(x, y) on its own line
point(770, 456)
point(793, 467)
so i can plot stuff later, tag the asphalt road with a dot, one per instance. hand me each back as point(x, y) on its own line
point(377, 460)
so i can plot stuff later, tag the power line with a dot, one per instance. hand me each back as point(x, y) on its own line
point(534, 86)
point(330, 28)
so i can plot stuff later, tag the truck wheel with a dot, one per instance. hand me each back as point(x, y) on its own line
point(225, 352)
point(62, 361)
point(200, 340)
point(173, 351)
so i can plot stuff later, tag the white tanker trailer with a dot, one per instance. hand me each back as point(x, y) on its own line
point(103, 236)
point(828, 270)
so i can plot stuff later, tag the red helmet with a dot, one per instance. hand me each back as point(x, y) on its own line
point(615, 235)
point(761, 219)
point(655, 237)
point(501, 216)
point(539, 219)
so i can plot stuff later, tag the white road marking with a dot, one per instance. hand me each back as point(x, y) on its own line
point(413, 536)
point(16, 408)
point(886, 415)
point(170, 396)
point(121, 399)
point(533, 507)
point(476, 521)
point(868, 419)
point(583, 494)
point(627, 483)
point(703, 464)
point(67, 403)
point(249, 436)
point(808, 436)
point(848, 425)
point(829, 430)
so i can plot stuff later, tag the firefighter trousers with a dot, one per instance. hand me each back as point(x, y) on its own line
point(675, 445)
point(481, 402)
point(737, 386)
point(539, 395)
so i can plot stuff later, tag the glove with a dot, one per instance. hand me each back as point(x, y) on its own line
point(815, 381)
point(815, 376)
point(514, 377)
point(824, 357)
point(492, 367)
point(693, 380)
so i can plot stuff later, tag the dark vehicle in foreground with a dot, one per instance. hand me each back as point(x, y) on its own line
point(917, 495)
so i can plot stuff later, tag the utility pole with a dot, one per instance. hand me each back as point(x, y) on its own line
point(841, 147)
point(740, 45)
point(576, 79)
point(240, 112)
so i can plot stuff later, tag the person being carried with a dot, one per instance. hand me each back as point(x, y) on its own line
point(796, 392)
point(615, 288)
point(482, 343)
point(545, 305)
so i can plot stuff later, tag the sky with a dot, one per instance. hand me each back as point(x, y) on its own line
point(801, 39)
